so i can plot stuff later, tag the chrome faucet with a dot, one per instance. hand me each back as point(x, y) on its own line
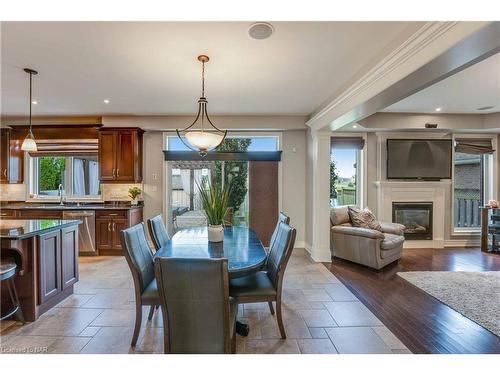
point(60, 193)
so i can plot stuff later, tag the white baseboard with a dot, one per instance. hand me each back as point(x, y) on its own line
point(300, 245)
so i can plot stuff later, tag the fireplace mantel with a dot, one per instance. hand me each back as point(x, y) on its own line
point(415, 191)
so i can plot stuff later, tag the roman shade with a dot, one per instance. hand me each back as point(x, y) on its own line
point(356, 143)
point(476, 146)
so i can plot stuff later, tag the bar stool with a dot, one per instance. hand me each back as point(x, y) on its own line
point(8, 269)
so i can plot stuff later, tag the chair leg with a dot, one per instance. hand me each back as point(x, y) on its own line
point(151, 312)
point(271, 308)
point(138, 320)
point(233, 343)
point(280, 318)
point(13, 292)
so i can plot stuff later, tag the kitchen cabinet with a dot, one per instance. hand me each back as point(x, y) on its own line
point(11, 158)
point(69, 257)
point(120, 155)
point(50, 265)
point(109, 224)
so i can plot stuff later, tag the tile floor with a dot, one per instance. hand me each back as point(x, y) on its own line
point(320, 316)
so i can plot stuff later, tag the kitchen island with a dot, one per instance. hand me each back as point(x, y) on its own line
point(46, 252)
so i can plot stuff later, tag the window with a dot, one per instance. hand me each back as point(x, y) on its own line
point(78, 175)
point(185, 204)
point(470, 188)
point(344, 176)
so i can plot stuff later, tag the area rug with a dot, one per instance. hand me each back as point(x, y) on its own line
point(476, 295)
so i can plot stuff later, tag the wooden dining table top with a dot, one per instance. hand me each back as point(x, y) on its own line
point(241, 246)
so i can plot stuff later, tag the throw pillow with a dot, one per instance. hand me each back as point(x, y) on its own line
point(363, 219)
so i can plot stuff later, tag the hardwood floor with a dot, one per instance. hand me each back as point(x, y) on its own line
point(421, 322)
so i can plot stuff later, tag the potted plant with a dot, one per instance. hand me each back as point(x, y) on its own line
point(133, 193)
point(215, 202)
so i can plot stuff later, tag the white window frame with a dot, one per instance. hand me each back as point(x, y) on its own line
point(490, 183)
point(361, 172)
point(32, 188)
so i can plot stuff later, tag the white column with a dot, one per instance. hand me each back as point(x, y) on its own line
point(320, 249)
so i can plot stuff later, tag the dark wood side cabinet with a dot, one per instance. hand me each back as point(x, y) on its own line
point(109, 223)
point(11, 158)
point(120, 154)
point(49, 260)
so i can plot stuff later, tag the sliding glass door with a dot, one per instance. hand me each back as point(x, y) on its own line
point(186, 176)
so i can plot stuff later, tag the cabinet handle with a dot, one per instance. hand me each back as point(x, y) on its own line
point(113, 214)
point(114, 173)
point(5, 172)
point(109, 226)
point(118, 172)
point(3, 214)
point(114, 224)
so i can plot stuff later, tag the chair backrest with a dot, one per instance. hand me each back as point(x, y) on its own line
point(194, 296)
point(280, 253)
point(139, 256)
point(157, 231)
point(282, 218)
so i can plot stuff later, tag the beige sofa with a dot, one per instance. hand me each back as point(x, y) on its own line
point(364, 246)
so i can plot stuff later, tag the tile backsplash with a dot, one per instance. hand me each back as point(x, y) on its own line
point(12, 192)
point(118, 192)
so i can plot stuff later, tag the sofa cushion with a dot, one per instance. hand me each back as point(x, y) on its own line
point(391, 241)
point(363, 218)
point(339, 215)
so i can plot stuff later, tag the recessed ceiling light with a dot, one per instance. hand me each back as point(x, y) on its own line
point(355, 126)
point(106, 101)
point(439, 109)
point(34, 102)
point(485, 108)
point(260, 30)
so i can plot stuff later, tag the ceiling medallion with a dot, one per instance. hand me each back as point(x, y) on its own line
point(207, 137)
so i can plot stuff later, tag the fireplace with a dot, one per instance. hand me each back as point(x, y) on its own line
point(416, 217)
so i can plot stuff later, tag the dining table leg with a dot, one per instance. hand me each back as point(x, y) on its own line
point(242, 329)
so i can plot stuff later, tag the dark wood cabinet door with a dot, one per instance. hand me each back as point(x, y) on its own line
point(126, 156)
point(118, 226)
point(49, 263)
point(107, 155)
point(103, 230)
point(69, 256)
point(4, 155)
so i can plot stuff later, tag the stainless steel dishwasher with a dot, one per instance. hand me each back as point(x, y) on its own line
point(86, 230)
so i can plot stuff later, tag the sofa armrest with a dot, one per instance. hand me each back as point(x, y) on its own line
point(357, 231)
point(393, 228)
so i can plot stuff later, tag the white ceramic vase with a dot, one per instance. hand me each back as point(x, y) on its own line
point(134, 202)
point(215, 233)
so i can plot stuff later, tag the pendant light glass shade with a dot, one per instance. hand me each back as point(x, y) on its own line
point(29, 143)
point(204, 141)
point(208, 136)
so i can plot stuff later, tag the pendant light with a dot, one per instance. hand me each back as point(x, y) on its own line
point(29, 143)
point(208, 136)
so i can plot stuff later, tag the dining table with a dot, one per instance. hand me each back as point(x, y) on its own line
point(241, 247)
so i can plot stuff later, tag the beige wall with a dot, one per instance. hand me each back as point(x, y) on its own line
point(309, 189)
point(293, 131)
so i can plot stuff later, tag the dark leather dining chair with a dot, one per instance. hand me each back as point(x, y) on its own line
point(157, 231)
point(267, 285)
point(199, 317)
point(140, 260)
point(282, 218)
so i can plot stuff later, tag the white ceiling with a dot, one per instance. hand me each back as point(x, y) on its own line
point(150, 68)
point(475, 87)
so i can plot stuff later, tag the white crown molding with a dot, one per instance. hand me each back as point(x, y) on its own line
point(413, 45)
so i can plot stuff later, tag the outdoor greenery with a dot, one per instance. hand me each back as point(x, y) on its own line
point(333, 180)
point(235, 172)
point(215, 200)
point(51, 169)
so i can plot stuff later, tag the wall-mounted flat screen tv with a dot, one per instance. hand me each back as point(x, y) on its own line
point(423, 159)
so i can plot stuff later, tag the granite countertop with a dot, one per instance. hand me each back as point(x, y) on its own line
point(67, 206)
point(20, 229)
